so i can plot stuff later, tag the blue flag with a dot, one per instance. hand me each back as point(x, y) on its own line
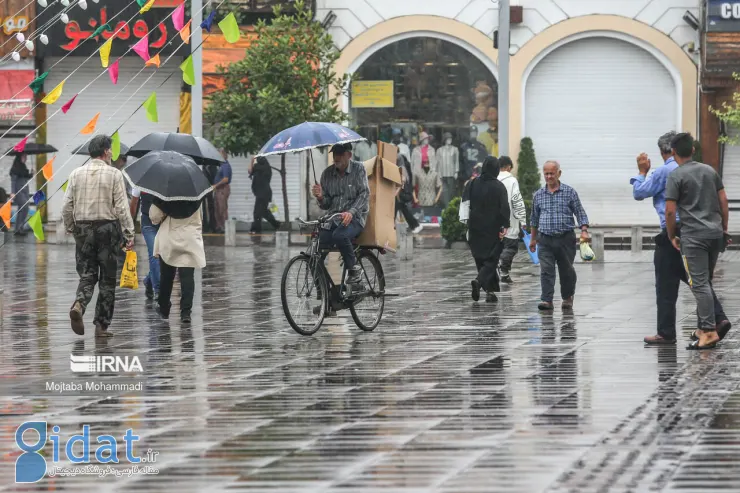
point(39, 197)
point(206, 24)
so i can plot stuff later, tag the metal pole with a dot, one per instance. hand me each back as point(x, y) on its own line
point(503, 76)
point(197, 89)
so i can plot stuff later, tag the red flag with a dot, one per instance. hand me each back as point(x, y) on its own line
point(21, 146)
point(68, 104)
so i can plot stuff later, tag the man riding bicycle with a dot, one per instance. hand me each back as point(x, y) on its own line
point(344, 190)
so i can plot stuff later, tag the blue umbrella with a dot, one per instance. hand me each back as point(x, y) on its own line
point(309, 135)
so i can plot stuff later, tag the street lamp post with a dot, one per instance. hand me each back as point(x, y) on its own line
point(503, 76)
point(196, 94)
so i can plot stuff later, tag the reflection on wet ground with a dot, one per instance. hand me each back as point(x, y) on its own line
point(445, 396)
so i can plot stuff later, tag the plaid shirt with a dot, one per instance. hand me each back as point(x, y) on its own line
point(552, 212)
point(348, 193)
point(97, 192)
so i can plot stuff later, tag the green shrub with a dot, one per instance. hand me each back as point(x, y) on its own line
point(528, 173)
point(452, 229)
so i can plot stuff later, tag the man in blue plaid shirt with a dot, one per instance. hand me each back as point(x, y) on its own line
point(553, 209)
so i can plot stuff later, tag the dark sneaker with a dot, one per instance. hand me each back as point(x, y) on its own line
point(545, 306)
point(475, 285)
point(75, 316)
point(101, 330)
point(506, 279)
point(329, 312)
point(568, 303)
point(162, 313)
point(658, 340)
point(491, 298)
point(355, 275)
point(185, 318)
point(148, 289)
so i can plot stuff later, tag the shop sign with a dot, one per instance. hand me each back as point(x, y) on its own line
point(16, 98)
point(723, 16)
point(372, 94)
point(65, 38)
point(14, 24)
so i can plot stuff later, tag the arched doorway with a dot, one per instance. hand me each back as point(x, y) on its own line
point(593, 104)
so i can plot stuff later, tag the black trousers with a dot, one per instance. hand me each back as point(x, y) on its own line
point(488, 274)
point(669, 273)
point(167, 280)
point(410, 219)
point(509, 251)
point(557, 251)
point(262, 211)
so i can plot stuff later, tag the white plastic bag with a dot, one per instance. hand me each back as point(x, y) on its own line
point(464, 212)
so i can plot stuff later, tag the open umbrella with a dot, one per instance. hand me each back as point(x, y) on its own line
point(309, 135)
point(84, 151)
point(33, 148)
point(202, 151)
point(169, 176)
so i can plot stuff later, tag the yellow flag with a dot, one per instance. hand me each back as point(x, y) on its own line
point(147, 6)
point(150, 105)
point(188, 71)
point(64, 186)
point(115, 146)
point(52, 97)
point(230, 28)
point(36, 226)
point(105, 52)
point(90, 127)
point(48, 169)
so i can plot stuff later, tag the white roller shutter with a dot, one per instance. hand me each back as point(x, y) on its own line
point(594, 105)
point(731, 177)
point(114, 105)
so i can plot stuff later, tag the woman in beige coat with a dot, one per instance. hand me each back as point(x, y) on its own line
point(179, 246)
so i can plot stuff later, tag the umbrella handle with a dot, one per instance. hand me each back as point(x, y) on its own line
point(313, 168)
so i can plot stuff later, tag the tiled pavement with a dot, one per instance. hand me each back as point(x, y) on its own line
point(445, 396)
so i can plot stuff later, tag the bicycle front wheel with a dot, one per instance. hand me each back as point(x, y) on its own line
point(368, 311)
point(303, 293)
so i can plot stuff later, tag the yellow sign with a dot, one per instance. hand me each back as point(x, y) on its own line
point(372, 94)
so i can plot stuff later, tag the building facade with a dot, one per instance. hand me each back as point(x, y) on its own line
point(592, 83)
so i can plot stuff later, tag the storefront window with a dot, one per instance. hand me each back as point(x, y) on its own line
point(424, 85)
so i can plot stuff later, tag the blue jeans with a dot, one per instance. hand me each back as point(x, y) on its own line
point(149, 231)
point(341, 237)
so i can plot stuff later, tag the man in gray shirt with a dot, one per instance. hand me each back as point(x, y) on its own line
point(696, 190)
point(344, 189)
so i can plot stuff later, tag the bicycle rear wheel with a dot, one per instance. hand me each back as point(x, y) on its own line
point(368, 311)
point(303, 293)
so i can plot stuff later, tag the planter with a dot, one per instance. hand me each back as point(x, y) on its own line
point(456, 245)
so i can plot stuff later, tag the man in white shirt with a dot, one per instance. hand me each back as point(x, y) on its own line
point(510, 243)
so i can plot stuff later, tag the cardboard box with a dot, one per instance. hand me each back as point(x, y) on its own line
point(384, 178)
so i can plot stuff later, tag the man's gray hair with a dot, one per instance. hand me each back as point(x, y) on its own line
point(552, 161)
point(664, 142)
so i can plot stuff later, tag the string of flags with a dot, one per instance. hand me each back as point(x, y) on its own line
point(230, 29)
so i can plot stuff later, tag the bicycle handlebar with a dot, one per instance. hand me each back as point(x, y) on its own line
point(320, 220)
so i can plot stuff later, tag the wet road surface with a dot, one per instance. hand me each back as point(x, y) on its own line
point(445, 396)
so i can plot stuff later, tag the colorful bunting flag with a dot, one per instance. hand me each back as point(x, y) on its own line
point(64, 186)
point(178, 17)
point(113, 72)
point(208, 23)
point(185, 32)
point(150, 105)
point(21, 146)
point(188, 71)
point(39, 197)
point(48, 169)
point(141, 2)
point(104, 27)
point(230, 28)
point(36, 226)
point(38, 83)
point(147, 6)
point(90, 127)
point(142, 47)
point(115, 145)
point(153, 61)
point(55, 94)
point(68, 104)
point(5, 211)
point(105, 52)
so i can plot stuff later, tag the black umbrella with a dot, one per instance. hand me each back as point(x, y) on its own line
point(84, 151)
point(169, 176)
point(33, 148)
point(202, 151)
point(179, 209)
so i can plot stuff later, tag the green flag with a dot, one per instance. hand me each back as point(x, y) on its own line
point(38, 83)
point(99, 30)
point(64, 186)
point(150, 105)
point(230, 28)
point(36, 226)
point(188, 72)
point(115, 145)
point(141, 2)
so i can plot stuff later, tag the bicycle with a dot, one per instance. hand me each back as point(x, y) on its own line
point(315, 291)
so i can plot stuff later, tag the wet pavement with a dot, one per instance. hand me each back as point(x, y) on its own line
point(445, 396)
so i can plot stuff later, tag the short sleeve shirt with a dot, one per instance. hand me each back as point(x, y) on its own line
point(428, 184)
point(695, 189)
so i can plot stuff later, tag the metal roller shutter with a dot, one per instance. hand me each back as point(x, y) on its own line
point(593, 105)
point(103, 96)
point(731, 177)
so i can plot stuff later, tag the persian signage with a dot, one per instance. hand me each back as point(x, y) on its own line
point(16, 98)
point(127, 26)
point(372, 94)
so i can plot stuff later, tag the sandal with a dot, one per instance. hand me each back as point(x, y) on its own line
point(694, 346)
point(722, 329)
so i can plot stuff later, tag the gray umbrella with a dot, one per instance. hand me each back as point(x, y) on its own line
point(169, 176)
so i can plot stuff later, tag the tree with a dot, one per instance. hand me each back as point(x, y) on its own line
point(286, 78)
point(528, 173)
point(452, 229)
